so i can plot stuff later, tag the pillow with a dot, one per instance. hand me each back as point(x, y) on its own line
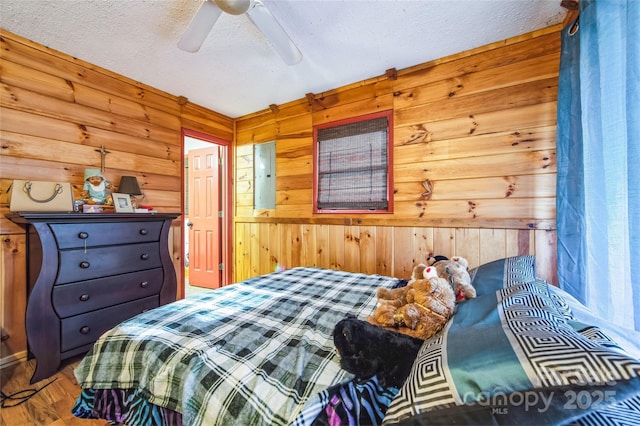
point(510, 356)
point(490, 277)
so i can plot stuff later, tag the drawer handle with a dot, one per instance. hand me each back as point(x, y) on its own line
point(84, 264)
point(143, 231)
point(144, 284)
point(85, 330)
point(144, 256)
point(83, 235)
point(84, 297)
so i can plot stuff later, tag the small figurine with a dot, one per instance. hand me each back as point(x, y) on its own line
point(96, 189)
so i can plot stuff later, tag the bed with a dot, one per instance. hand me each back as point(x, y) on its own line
point(260, 352)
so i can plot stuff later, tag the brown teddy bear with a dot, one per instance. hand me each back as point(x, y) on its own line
point(455, 271)
point(398, 296)
point(420, 309)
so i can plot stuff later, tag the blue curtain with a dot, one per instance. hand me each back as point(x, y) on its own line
point(598, 152)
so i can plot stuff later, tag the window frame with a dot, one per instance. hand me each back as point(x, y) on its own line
point(388, 114)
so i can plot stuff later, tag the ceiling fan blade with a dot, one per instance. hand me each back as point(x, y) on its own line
point(200, 27)
point(273, 31)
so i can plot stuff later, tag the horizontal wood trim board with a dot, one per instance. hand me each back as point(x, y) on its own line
point(547, 225)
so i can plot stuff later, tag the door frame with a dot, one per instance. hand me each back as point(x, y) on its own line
point(226, 203)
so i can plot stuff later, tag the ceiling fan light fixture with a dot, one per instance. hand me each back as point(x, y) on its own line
point(233, 7)
point(258, 13)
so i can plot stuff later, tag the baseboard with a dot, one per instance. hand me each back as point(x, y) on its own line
point(13, 359)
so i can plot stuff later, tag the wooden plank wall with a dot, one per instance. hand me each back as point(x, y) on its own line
point(474, 167)
point(480, 126)
point(56, 112)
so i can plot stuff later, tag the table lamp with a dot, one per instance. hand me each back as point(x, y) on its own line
point(129, 185)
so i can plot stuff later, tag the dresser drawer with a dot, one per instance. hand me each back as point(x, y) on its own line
point(86, 328)
point(70, 235)
point(77, 298)
point(81, 264)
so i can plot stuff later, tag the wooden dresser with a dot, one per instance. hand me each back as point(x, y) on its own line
point(89, 272)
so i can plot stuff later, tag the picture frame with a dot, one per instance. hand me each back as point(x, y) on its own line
point(122, 203)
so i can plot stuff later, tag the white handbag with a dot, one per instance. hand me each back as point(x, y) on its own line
point(40, 196)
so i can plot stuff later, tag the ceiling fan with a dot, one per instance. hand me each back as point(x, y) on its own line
point(210, 11)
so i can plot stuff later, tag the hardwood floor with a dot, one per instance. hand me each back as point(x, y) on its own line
point(49, 407)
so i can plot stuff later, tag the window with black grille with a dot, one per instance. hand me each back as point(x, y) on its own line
point(353, 170)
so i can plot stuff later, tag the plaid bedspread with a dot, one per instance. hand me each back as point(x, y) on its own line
point(251, 353)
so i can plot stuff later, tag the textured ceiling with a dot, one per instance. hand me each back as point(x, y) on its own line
point(236, 72)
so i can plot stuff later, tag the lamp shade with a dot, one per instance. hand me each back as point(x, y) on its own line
point(129, 185)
